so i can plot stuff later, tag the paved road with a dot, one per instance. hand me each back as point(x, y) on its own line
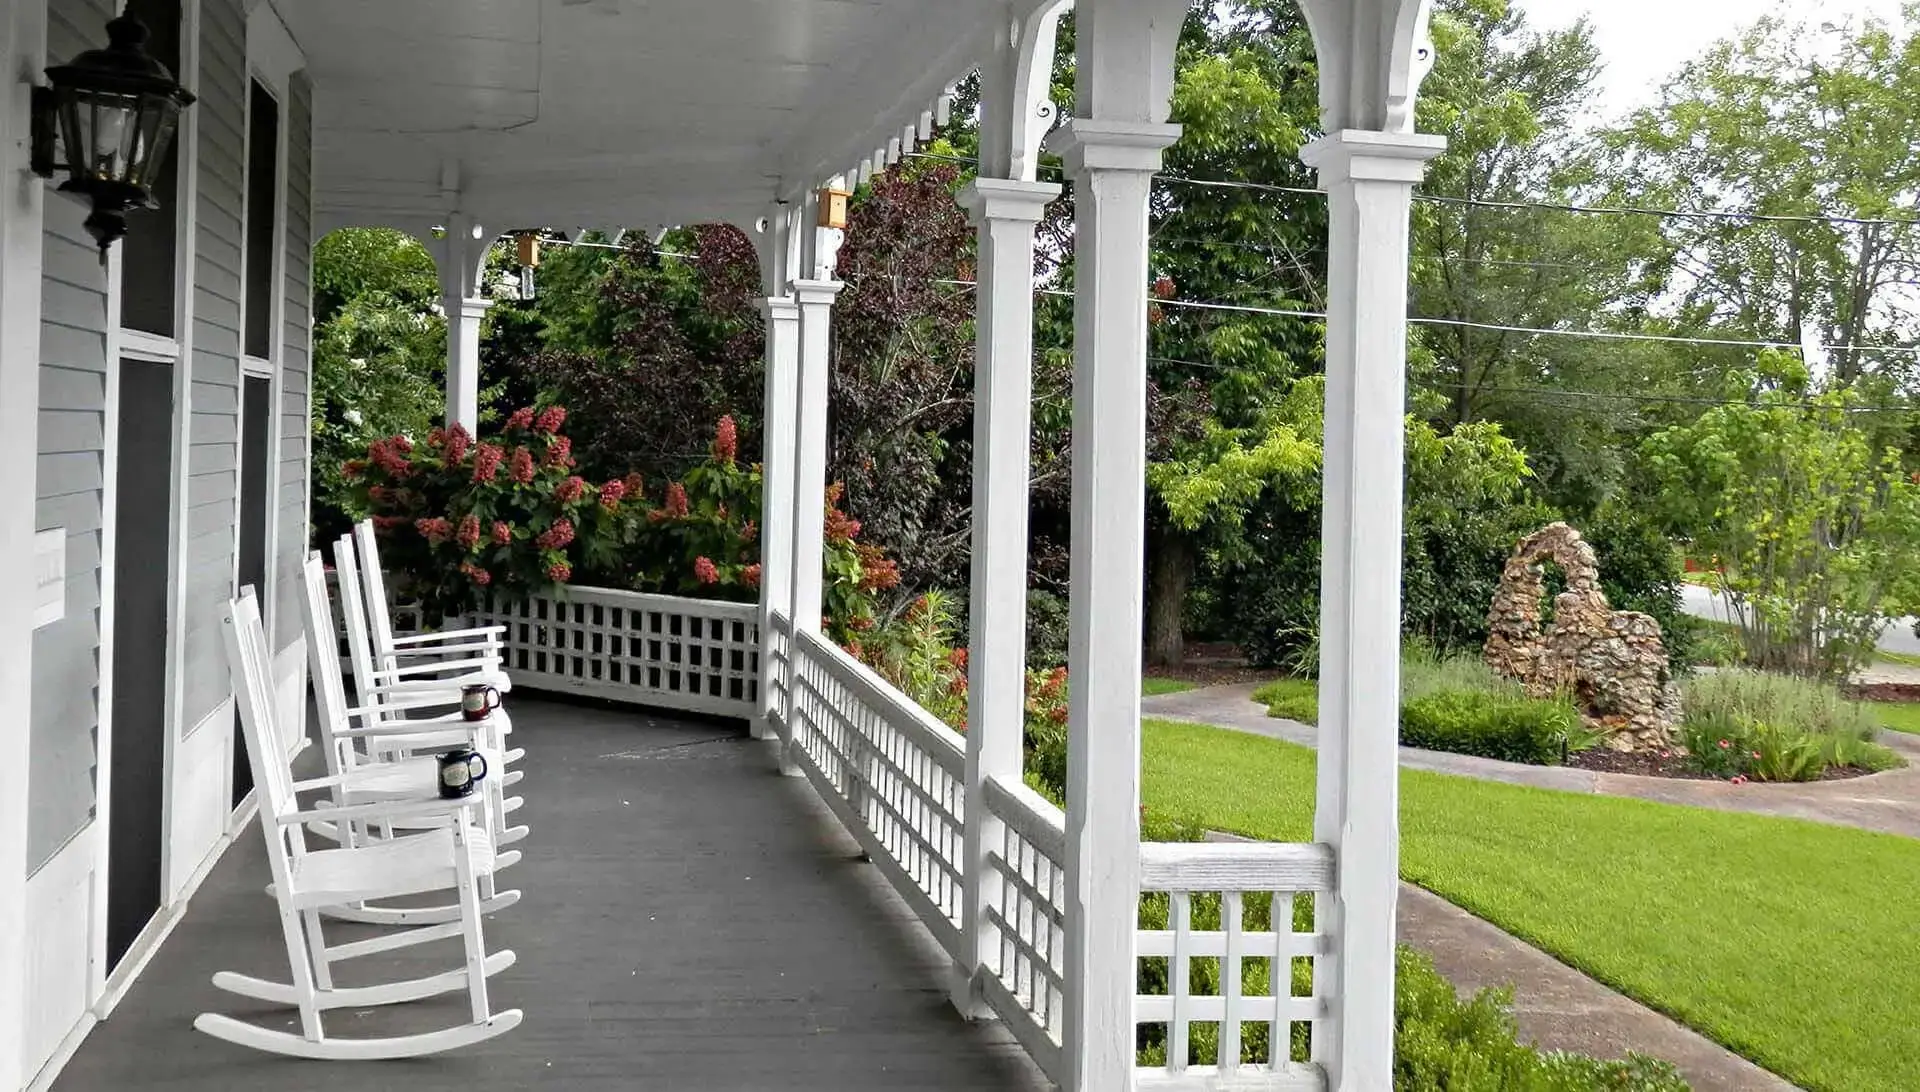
point(1707, 603)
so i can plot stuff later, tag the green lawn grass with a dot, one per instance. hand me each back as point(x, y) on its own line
point(1151, 686)
point(1901, 716)
point(1792, 943)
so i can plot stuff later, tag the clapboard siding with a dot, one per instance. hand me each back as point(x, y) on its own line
point(295, 368)
point(214, 428)
point(69, 489)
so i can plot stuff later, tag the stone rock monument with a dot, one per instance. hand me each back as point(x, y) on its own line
point(1612, 662)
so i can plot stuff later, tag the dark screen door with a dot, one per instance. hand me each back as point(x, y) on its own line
point(255, 421)
point(138, 764)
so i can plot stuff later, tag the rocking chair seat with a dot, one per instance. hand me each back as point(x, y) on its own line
point(399, 866)
point(407, 779)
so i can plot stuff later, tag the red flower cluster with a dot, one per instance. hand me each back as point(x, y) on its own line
point(459, 442)
point(560, 452)
point(386, 524)
point(750, 532)
point(559, 572)
point(379, 494)
point(476, 574)
point(878, 572)
point(502, 532)
point(750, 576)
point(841, 528)
point(958, 659)
point(557, 537)
point(610, 494)
point(469, 534)
point(521, 418)
point(704, 571)
point(1163, 287)
point(486, 462)
point(633, 485)
point(353, 468)
point(726, 441)
point(436, 529)
point(570, 490)
point(676, 507)
point(391, 456)
point(551, 419)
point(520, 467)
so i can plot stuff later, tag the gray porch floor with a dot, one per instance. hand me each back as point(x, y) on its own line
point(690, 921)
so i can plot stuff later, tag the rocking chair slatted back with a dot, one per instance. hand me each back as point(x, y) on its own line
point(359, 646)
point(379, 608)
point(272, 778)
point(329, 686)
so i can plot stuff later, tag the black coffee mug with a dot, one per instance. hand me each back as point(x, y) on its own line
point(479, 701)
point(460, 771)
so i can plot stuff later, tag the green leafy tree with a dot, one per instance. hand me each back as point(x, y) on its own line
point(1791, 120)
point(1508, 99)
point(379, 355)
point(1816, 529)
point(1221, 427)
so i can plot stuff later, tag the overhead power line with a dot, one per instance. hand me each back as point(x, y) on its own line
point(1551, 206)
point(1492, 327)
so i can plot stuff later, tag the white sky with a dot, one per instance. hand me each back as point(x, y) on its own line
point(1645, 41)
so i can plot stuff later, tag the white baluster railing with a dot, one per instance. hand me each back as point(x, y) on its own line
point(1027, 987)
point(890, 770)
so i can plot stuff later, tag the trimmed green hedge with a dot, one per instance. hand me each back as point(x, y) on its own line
point(1502, 726)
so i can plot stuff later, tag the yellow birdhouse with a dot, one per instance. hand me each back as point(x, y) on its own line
point(833, 207)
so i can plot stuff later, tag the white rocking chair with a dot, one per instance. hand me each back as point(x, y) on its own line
point(474, 653)
point(394, 698)
point(357, 779)
point(454, 856)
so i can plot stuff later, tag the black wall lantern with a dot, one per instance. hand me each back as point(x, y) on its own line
point(115, 110)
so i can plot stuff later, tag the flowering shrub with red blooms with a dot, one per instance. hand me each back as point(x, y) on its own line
point(915, 654)
point(451, 524)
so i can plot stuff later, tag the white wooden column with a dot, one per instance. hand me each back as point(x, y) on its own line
point(461, 256)
point(1112, 149)
point(23, 47)
point(815, 303)
point(1004, 212)
point(1369, 178)
point(778, 453)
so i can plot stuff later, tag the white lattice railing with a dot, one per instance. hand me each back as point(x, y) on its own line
point(893, 773)
point(1263, 984)
point(779, 666)
point(695, 655)
point(1027, 985)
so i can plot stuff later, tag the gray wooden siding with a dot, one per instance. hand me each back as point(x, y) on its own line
point(294, 384)
point(213, 433)
point(70, 489)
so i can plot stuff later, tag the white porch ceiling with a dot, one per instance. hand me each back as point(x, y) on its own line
point(605, 113)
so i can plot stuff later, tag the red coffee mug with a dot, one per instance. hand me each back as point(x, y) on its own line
point(478, 702)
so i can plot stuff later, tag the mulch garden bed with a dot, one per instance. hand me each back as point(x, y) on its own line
point(1884, 691)
point(1603, 760)
point(1212, 663)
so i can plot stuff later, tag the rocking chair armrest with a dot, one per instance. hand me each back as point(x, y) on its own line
point(387, 810)
point(439, 725)
point(495, 632)
point(469, 666)
point(448, 650)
